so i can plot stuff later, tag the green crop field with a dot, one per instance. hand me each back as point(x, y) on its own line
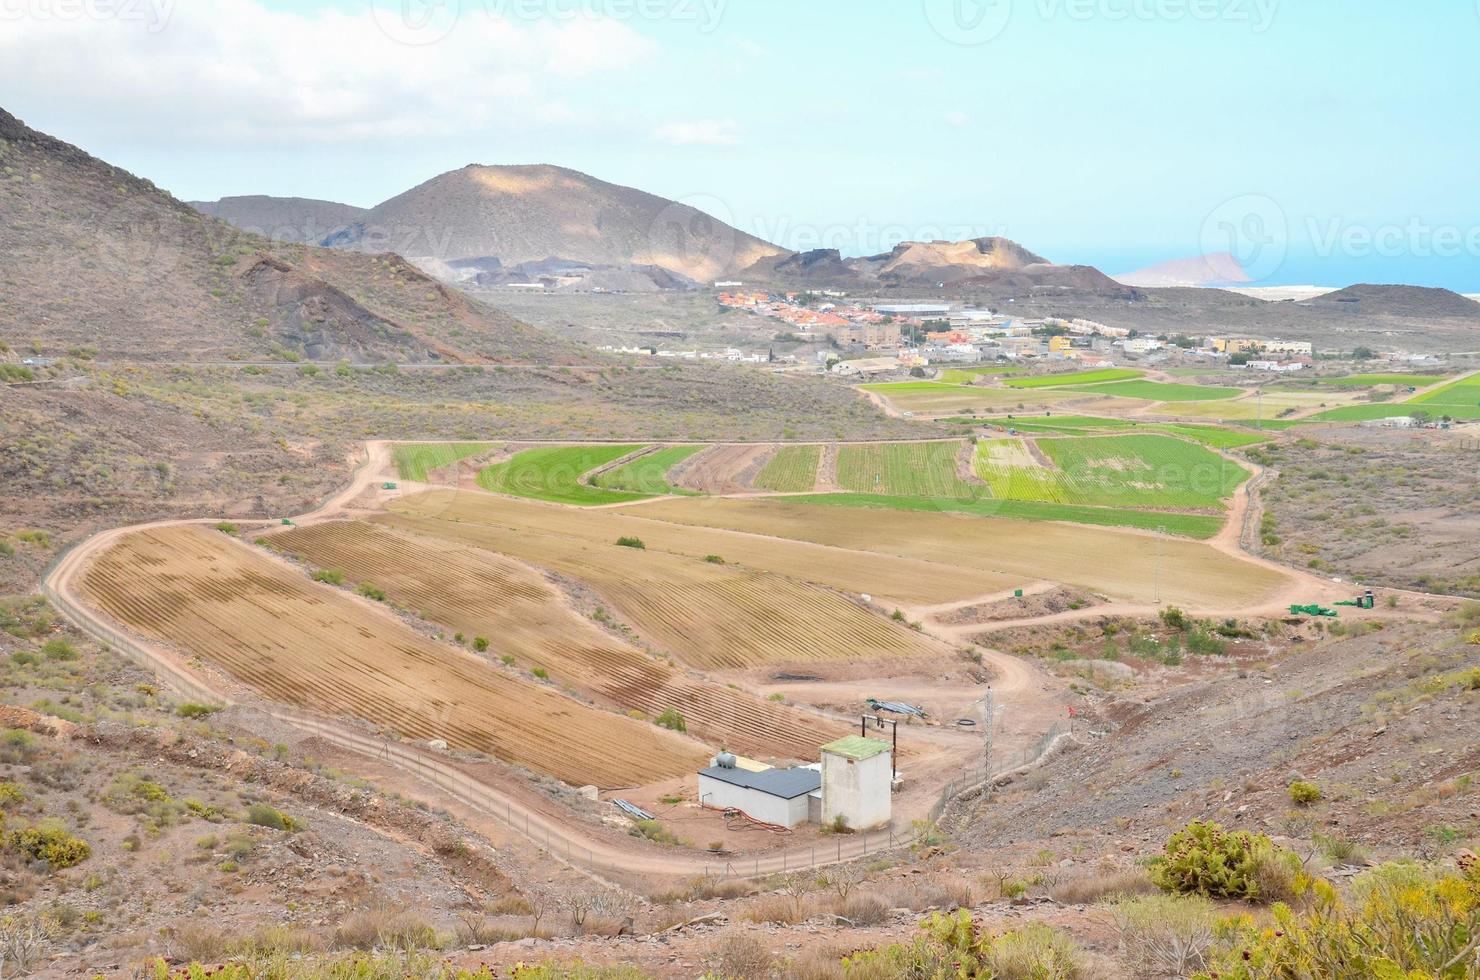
point(1460, 400)
point(555, 473)
point(1158, 391)
point(647, 474)
point(1117, 471)
point(1373, 380)
point(414, 462)
point(909, 469)
point(1075, 378)
point(793, 469)
point(1199, 526)
point(966, 375)
point(1081, 425)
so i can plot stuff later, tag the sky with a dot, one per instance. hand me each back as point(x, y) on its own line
point(1320, 141)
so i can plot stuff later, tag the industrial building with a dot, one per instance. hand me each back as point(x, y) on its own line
point(854, 784)
point(776, 796)
point(858, 782)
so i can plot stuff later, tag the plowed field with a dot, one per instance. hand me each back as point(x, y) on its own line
point(478, 593)
point(316, 647)
point(708, 615)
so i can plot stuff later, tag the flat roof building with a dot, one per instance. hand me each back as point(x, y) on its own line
point(777, 796)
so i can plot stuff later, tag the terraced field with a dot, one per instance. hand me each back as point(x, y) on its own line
point(906, 469)
point(647, 475)
point(316, 647)
point(478, 593)
point(792, 469)
point(1079, 425)
point(1116, 471)
point(1198, 526)
point(555, 473)
point(933, 398)
point(708, 615)
point(1159, 391)
point(415, 461)
point(1275, 404)
point(1074, 378)
point(1460, 400)
point(1119, 564)
point(1375, 380)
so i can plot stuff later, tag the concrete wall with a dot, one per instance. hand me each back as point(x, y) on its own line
point(761, 806)
point(858, 791)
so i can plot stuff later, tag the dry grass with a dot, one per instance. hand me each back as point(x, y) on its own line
point(783, 910)
point(738, 956)
point(385, 928)
point(863, 910)
point(1101, 885)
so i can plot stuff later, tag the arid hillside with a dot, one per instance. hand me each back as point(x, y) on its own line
point(283, 219)
point(98, 261)
point(530, 213)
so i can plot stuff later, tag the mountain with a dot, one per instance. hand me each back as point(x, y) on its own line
point(523, 214)
point(283, 219)
point(1216, 269)
point(107, 262)
point(1401, 301)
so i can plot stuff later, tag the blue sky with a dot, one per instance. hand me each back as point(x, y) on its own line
point(1321, 141)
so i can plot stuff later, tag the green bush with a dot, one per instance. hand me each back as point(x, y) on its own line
point(1205, 859)
point(59, 649)
point(226, 527)
point(192, 710)
point(49, 843)
point(480, 643)
point(714, 559)
point(627, 542)
point(672, 718)
point(541, 673)
point(262, 815)
point(371, 592)
point(1303, 793)
point(329, 576)
point(1401, 921)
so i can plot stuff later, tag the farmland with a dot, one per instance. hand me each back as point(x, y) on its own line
point(530, 625)
point(917, 468)
point(1275, 403)
point(790, 469)
point(933, 398)
point(1377, 380)
point(1078, 425)
point(706, 614)
point(1159, 391)
point(966, 375)
point(1461, 399)
point(315, 647)
point(415, 460)
point(554, 474)
point(1098, 376)
point(1118, 564)
point(646, 474)
point(1116, 471)
point(1199, 526)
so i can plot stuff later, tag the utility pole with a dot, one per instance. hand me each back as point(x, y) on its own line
point(989, 712)
point(1161, 529)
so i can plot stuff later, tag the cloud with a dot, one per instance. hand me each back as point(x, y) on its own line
point(231, 71)
point(703, 132)
point(957, 119)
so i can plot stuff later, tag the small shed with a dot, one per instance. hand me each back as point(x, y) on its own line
point(858, 782)
point(776, 796)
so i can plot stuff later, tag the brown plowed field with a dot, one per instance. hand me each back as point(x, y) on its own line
point(313, 646)
point(479, 593)
point(890, 579)
point(1122, 565)
point(722, 469)
point(707, 615)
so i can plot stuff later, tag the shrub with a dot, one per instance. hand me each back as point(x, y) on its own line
point(371, 592)
point(1303, 793)
point(329, 576)
point(192, 710)
point(384, 928)
point(1205, 859)
point(737, 956)
point(49, 843)
point(714, 559)
point(480, 643)
point(955, 946)
point(59, 649)
point(864, 910)
point(1340, 850)
point(627, 542)
point(1402, 920)
point(262, 815)
point(1092, 888)
point(672, 719)
point(1165, 935)
point(653, 831)
point(11, 794)
point(541, 673)
point(226, 527)
point(1174, 618)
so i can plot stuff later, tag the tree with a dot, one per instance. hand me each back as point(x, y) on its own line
point(1363, 354)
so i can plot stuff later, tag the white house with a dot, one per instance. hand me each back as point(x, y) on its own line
point(776, 796)
point(857, 782)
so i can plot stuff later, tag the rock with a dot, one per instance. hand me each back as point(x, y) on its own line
point(842, 920)
point(626, 928)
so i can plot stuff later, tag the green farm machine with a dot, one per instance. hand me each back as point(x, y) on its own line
point(1364, 601)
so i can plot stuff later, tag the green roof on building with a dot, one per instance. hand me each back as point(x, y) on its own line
point(857, 747)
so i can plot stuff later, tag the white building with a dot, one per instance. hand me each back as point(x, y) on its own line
point(857, 782)
point(1290, 348)
point(1142, 345)
point(777, 796)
